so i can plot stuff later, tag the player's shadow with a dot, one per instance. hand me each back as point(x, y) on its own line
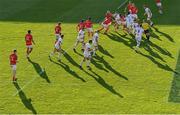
point(97, 65)
point(154, 35)
point(161, 50)
point(164, 34)
point(26, 101)
point(71, 60)
point(109, 67)
point(160, 65)
point(67, 69)
point(105, 52)
point(40, 71)
point(152, 53)
point(103, 83)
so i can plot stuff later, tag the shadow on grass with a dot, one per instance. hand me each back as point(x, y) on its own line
point(162, 66)
point(105, 52)
point(67, 69)
point(39, 71)
point(109, 67)
point(164, 34)
point(26, 101)
point(103, 83)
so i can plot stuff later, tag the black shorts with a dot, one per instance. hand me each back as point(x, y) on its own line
point(146, 31)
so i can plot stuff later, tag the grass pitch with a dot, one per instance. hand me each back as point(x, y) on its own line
point(121, 80)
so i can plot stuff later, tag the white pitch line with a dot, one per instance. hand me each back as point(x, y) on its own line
point(122, 4)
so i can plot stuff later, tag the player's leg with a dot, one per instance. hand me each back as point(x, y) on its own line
point(83, 60)
point(14, 72)
point(88, 61)
point(76, 44)
point(59, 54)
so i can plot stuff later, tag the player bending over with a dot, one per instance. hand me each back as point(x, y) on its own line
point(57, 47)
point(148, 13)
point(13, 60)
point(29, 41)
point(159, 5)
point(80, 39)
point(138, 35)
point(146, 28)
point(95, 41)
point(58, 31)
point(87, 55)
point(89, 27)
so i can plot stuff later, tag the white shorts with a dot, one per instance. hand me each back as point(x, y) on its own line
point(87, 54)
point(118, 22)
point(80, 38)
point(135, 16)
point(89, 30)
point(105, 26)
point(14, 67)
point(57, 47)
point(159, 4)
point(29, 46)
point(95, 44)
point(149, 17)
point(138, 38)
point(57, 36)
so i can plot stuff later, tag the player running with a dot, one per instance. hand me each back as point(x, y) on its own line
point(138, 35)
point(58, 31)
point(89, 27)
point(87, 55)
point(29, 41)
point(80, 26)
point(129, 22)
point(159, 5)
point(105, 25)
point(148, 13)
point(80, 39)
point(146, 28)
point(95, 41)
point(57, 47)
point(117, 21)
point(13, 60)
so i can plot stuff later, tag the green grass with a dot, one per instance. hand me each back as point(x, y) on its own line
point(121, 80)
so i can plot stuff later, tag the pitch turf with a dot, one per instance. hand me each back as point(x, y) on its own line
point(121, 80)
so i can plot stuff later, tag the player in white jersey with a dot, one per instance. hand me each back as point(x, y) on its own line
point(129, 22)
point(95, 40)
point(148, 13)
point(57, 47)
point(80, 39)
point(87, 54)
point(117, 21)
point(135, 26)
point(138, 35)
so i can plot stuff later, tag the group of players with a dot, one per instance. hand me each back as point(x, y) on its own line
point(129, 23)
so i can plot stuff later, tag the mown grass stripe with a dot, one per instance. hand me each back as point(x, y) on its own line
point(175, 89)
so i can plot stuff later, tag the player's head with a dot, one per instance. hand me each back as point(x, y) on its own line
point(59, 23)
point(145, 6)
point(89, 18)
point(97, 31)
point(90, 41)
point(108, 11)
point(29, 31)
point(14, 51)
point(82, 20)
point(128, 13)
point(62, 36)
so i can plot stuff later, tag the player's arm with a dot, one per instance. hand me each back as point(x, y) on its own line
point(33, 41)
point(77, 28)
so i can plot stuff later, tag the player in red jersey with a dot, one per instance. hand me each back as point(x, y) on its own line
point(159, 5)
point(80, 26)
point(89, 27)
point(29, 41)
point(109, 15)
point(105, 25)
point(58, 30)
point(129, 7)
point(13, 60)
